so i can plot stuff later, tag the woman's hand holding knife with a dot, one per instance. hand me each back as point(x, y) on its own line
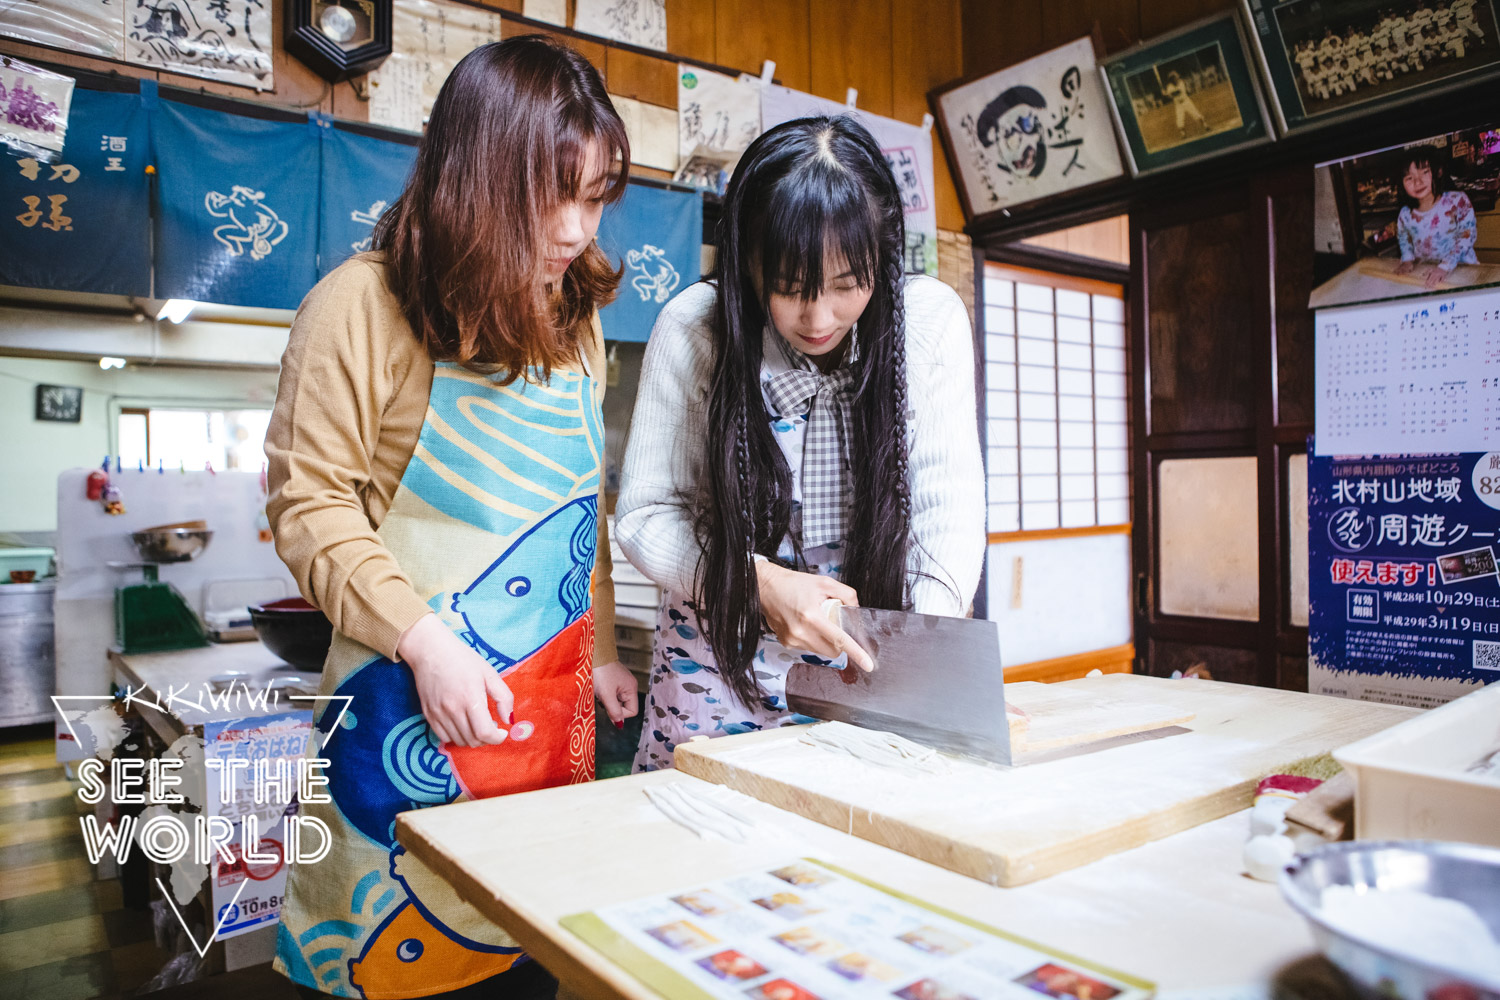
point(797, 608)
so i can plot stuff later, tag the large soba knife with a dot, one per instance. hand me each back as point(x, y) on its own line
point(937, 681)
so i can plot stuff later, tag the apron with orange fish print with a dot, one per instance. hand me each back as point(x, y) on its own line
point(496, 524)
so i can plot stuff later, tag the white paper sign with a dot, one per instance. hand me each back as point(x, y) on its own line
point(89, 27)
point(548, 11)
point(35, 106)
point(652, 131)
point(907, 149)
point(1409, 376)
point(428, 38)
point(715, 111)
point(1035, 129)
point(634, 22)
point(224, 40)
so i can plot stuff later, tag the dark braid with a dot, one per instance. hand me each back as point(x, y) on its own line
point(803, 191)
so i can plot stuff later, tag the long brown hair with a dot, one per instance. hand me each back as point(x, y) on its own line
point(508, 142)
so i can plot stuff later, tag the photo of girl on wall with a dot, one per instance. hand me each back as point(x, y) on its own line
point(1408, 220)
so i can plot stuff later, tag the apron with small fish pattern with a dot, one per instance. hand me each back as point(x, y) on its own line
point(495, 522)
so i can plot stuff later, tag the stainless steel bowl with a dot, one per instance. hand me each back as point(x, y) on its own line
point(171, 545)
point(1464, 872)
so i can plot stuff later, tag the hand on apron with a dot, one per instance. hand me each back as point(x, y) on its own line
point(456, 685)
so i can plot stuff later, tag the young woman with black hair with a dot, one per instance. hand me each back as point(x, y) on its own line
point(805, 431)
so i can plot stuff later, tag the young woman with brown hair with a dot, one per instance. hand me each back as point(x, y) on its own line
point(435, 462)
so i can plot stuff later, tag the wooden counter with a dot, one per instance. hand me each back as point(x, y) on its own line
point(1177, 911)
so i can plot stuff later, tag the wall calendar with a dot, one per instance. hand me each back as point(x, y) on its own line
point(1410, 377)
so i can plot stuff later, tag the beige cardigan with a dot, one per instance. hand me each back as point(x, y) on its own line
point(349, 408)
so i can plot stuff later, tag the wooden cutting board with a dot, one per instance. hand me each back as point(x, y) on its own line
point(1011, 826)
point(1058, 717)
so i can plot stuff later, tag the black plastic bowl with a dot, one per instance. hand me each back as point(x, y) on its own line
point(295, 631)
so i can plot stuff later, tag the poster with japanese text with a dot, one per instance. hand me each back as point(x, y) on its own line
point(634, 22)
point(82, 223)
point(1034, 129)
point(428, 38)
point(252, 888)
point(224, 40)
point(805, 930)
point(362, 177)
point(238, 207)
point(716, 112)
point(907, 149)
point(1404, 587)
point(35, 105)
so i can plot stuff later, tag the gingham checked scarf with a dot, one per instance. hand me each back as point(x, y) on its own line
point(826, 479)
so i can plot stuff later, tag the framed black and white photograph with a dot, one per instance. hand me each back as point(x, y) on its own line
point(60, 403)
point(1186, 96)
point(1029, 131)
point(1329, 61)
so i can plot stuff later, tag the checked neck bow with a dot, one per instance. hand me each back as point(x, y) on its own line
point(824, 400)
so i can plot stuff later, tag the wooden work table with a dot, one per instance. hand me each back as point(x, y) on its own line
point(1177, 911)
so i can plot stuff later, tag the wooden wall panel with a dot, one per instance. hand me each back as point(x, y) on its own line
point(1202, 334)
point(1119, 22)
point(1001, 34)
point(747, 32)
point(926, 51)
point(630, 74)
point(852, 50)
point(690, 30)
point(1291, 221)
point(996, 35)
point(1158, 16)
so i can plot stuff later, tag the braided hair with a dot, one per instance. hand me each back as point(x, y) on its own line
point(804, 191)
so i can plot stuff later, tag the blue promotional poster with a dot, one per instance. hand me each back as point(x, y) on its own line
point(656, 235)
point(238, 220)
point(1404, 586)
point(83, 222)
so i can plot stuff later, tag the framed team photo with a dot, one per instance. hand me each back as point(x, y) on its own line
point(1027, 132)
point(1187, 95)
point(1330, 61)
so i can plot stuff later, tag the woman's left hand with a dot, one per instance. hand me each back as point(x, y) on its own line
point(1436, 275)
point(614, 686)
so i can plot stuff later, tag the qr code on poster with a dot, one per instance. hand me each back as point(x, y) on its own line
point(1486, 655)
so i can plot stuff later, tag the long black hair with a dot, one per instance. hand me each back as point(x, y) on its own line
point(806, 193)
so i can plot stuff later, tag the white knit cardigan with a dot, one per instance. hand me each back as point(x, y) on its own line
point(669, 432)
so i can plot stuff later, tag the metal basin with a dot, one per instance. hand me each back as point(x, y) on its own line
point(1462, 872)
point(171, 545)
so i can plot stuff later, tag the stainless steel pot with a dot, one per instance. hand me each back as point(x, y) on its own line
point(28, 668)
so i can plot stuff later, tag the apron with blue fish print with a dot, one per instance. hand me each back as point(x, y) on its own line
point(496, 524)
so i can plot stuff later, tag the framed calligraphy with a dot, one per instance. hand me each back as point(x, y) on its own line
point(1030, 131)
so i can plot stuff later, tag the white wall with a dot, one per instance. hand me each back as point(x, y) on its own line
point(33, 452)
point(1074, 596)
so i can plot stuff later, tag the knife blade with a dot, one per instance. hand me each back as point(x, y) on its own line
point(937, 680)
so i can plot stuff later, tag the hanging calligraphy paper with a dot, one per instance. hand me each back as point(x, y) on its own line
point(656, 235)
point(82, 223)
point(362, 177)
point(224, 40)
point(238, 212)
point(33, 108)
point(88, 27)
point(715, 112)
point(635, 22)
point(428, 38)
point(907, 150)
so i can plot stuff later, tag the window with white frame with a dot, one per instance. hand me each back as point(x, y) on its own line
point(1057, 436)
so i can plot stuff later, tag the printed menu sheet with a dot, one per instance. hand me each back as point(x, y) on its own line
point(1410, 376)
point(807, 930)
